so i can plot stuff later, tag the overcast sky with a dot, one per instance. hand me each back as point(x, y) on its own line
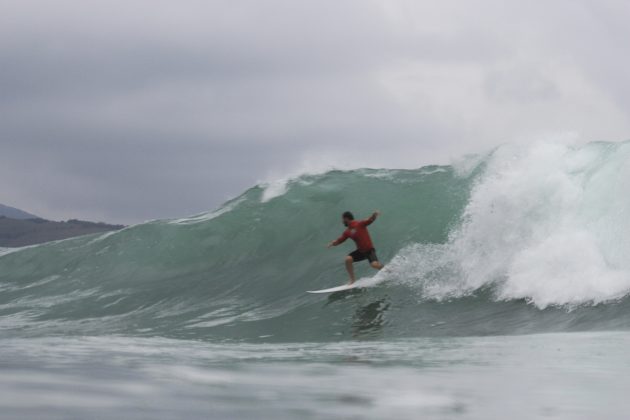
point(127, 110)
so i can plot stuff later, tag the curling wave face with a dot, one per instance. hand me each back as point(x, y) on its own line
point(526, 239)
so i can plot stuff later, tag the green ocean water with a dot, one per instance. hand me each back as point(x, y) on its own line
point(523, 245)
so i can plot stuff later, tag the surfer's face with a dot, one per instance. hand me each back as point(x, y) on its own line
point(345, 221)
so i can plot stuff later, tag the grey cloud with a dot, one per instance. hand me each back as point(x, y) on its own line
point(132, 110)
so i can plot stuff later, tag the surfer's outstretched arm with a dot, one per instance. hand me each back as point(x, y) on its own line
point(371, 219)
point(339, 240)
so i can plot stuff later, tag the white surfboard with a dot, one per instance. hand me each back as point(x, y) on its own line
point(334, 289)
point(365, 282)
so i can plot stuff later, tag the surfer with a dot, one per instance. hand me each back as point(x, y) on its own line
point(357, 231)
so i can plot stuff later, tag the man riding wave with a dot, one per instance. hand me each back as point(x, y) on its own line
point(357, 231)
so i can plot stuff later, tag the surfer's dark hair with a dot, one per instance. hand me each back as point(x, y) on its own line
point(347, 215)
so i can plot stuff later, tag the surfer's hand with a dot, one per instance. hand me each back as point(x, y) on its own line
point(376, 214)
point(330, 245)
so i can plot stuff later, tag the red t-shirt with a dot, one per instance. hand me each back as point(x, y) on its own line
point(357, 231)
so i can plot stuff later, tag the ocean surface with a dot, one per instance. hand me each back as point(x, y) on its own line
point(505, 295)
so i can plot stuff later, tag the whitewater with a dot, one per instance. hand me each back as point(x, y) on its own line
point(506, 290)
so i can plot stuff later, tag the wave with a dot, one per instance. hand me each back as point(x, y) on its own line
point(525, 239)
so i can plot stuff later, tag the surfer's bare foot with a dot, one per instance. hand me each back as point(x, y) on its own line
point(376, 265)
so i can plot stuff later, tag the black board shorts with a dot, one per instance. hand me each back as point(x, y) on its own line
point(364, 255)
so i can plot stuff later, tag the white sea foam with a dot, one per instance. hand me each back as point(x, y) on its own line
point(276, 186)
point(547, 223)
point(5, 251)
point(274, 189)
point(203, 217)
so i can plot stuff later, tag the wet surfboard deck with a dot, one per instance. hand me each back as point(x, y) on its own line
point(334, 289)
point(361, 283)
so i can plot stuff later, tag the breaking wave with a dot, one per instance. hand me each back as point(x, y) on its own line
point(526, 239)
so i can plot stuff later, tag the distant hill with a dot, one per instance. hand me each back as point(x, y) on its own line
point(14, 213)
point(21, 232)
